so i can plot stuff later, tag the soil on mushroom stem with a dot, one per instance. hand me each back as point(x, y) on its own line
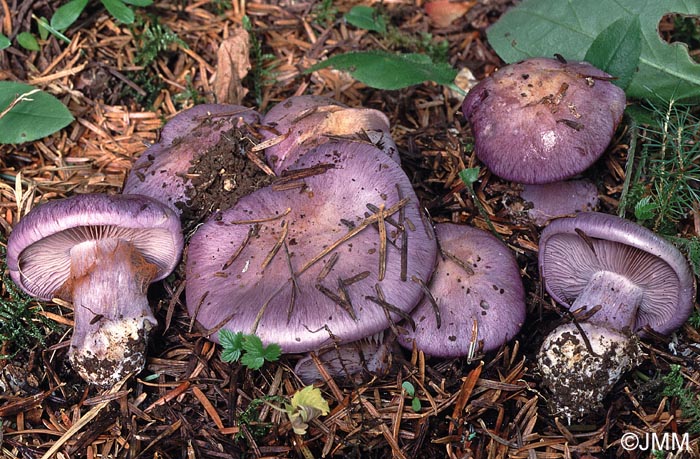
point(221, 176)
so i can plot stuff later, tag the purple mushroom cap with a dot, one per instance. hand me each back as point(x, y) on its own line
point(100, 252)
point(476, 285)
point(638, 278)
point(303, 122)
point(325, 255)
point(559, 199)
point(161, 170)
point(542, 120)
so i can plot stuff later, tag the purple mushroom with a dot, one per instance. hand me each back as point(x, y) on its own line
point(627, 279)
point(100, 252)
point(300, 123)
point(559, 199)
point(353, 362)
point(161, 170)
point(476, 301)
point(543, 120)
point(327, 254)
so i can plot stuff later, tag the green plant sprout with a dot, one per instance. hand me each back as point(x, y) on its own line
point(469, 176)
point(324, 12)
point(410, 390)
point(667, 174)
point(688, 399)
point(249, 349)
point(261, 74)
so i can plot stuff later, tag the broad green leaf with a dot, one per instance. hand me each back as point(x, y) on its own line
point(256, 353)
point(616, 50)
point(382, 70)
point(366, 17)
point(28, 41)
point(119, 10)
point(41, 114)
point(4, 42)
point(545, 27)
point(139, 2)
point(67, 14)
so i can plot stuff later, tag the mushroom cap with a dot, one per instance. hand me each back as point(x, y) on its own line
point(541, 120)
point(188, 120)
point(160, 170)
point(551, 200)
point(352, 362)
point(240, 261)
point(572, 250)
point(477, 280)
point(39, 247)
point(304, 122)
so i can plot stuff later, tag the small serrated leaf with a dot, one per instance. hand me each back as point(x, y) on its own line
point(232, 344)
point(644, 209)
point(383, 70)
point(41, 114)
point(366, 17)
point(119, 10)
point(28, 41)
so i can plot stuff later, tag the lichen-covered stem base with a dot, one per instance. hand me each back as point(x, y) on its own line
point(108, 284)
point(579, 372)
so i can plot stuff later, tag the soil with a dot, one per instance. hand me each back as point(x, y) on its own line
point(222, 175)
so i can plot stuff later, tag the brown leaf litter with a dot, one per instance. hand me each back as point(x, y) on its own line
point(188, 403)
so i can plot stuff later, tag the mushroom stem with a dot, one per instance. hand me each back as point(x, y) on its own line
point(618, 298)
point(112, 317)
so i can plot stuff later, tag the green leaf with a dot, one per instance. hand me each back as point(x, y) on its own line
point(39, 115)
point(469, 175)
point(67, 14)
point(408, 387)
point(232, 344)
point(28, 41)
point(645, 208)
point(616, 50)
point(119, 10)
point(256, 354)
point(139, 2)
point(4, 42)
point(366, 17)
point(45, 27)
point(382, 70)
point(545, 27)
point(415, 404)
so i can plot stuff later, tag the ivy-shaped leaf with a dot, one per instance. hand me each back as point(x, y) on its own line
point(617, 49)
point(35, 116)
point(546, 27)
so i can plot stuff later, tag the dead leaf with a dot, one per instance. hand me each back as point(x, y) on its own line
point(232, 65)
point(443, 12)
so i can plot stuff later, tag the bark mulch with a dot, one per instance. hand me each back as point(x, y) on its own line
point(188, 403)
